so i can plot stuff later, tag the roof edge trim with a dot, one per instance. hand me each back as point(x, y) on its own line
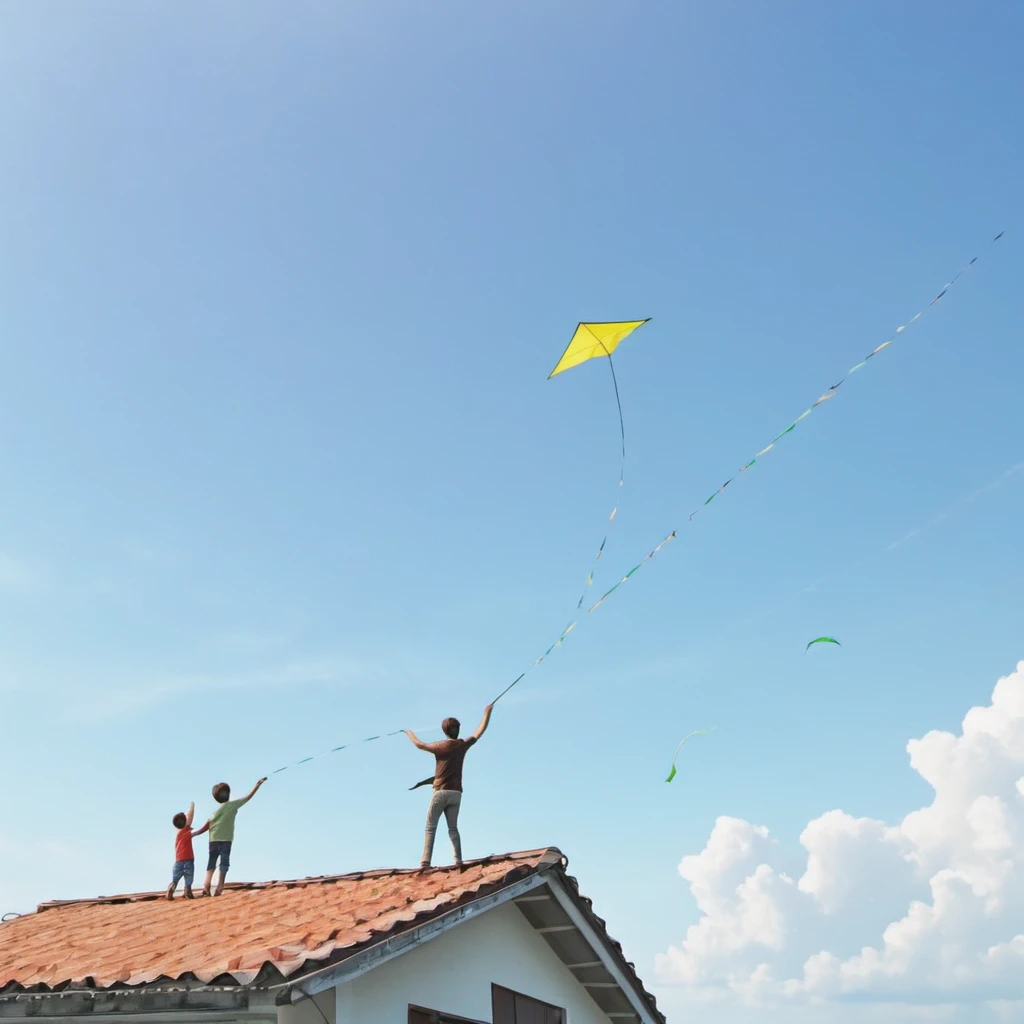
point(615, 963)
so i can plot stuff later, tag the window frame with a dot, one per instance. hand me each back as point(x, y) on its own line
point(444, 1018)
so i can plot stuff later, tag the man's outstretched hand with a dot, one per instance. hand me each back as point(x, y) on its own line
point(415, 740)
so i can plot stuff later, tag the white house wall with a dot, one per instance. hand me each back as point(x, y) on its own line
point(453, 973)
point(306, 1012)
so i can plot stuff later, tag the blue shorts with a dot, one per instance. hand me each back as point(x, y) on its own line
point(221, 850)
point(183, 869)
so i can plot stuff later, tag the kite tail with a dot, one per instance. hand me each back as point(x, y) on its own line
point(611, 519)
point(622, 478)
point(622, 428)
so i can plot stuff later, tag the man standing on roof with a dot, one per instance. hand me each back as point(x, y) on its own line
point(449, 755)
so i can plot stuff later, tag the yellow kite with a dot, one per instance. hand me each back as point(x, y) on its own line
point(592, 340)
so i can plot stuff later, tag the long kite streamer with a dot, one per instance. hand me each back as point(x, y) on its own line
point(682, 742)
point(822, 399)
point(572, 358)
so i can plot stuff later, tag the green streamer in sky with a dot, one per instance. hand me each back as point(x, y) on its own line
point(697, 732)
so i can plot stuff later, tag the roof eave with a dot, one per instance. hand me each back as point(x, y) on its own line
point(309, 983)
point(156, 1004)
point(579, 911)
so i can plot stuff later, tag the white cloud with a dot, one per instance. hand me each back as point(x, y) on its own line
point(927, 915)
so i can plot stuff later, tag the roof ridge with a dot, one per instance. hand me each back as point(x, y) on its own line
point(548, 855)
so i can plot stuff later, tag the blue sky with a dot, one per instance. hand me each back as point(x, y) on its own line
point(279, 291)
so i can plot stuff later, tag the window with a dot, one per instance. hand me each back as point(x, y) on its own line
point(420, 1015)
point(510, 1007)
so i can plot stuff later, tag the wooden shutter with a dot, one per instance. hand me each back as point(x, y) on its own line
point(508, 1007)
point(503, 1005)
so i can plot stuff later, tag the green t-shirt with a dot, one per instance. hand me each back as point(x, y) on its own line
point(222, 823)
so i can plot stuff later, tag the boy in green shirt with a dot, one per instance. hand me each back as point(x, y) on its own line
point(222, 833)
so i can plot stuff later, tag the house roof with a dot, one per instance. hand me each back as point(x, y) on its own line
point(256, 933)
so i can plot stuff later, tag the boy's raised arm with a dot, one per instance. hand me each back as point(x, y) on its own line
point(188, 814)
point(255, 789)
point(200, 831)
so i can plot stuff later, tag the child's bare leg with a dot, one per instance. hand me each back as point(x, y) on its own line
point(208, 882)
point(220, 882)
point(170, 890)
point(188, 893)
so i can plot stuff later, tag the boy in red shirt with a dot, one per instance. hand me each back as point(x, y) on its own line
point(184, 858)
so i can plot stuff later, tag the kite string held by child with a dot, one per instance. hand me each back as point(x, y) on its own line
point(447, 797)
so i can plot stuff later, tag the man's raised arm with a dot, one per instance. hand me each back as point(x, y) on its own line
point(416, 741)
point(484, 722)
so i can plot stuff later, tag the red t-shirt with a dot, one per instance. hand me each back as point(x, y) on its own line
point(183, 845)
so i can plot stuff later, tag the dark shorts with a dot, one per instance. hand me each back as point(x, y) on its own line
point(183, 869)
point(221, 850)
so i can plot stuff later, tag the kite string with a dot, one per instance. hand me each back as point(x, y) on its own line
point(572, 625)
point(611, 520)
point(565, 632)
point(825, 396)
point(509, 687)
point(671, 536)
point(342, 746)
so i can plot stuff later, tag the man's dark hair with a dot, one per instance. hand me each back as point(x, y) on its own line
point(451, 727)
point(179, 820)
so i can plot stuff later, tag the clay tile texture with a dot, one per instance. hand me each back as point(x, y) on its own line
point(268, 929)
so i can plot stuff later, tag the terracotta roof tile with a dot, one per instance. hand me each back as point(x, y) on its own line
point(141, 938)
point(254, 933)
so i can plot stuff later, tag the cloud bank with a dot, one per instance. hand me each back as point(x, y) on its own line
point(928, 913)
